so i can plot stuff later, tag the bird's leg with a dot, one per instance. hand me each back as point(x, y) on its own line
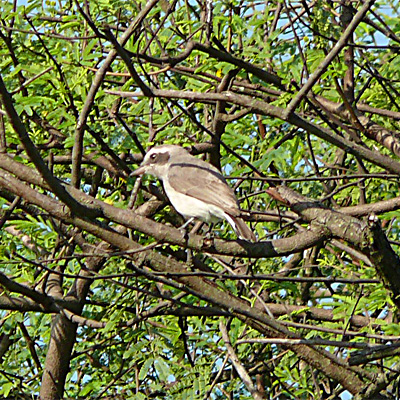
point(186, 233)
point(183, 229)
point(189, 257)
point(189, 221)
point(196, 227)
point(186, 237)
point(209, 233)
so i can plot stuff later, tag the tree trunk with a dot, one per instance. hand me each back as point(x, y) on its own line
point(63, 333)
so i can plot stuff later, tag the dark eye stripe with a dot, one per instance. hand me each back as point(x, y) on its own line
point(159, 158)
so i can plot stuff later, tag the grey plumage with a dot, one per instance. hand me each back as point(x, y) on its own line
point(195, 188)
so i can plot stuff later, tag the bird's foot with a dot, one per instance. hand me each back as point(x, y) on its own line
point(183, 229)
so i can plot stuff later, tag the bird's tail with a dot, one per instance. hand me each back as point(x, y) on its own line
point(240, 227)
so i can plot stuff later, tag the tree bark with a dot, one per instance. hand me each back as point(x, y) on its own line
point(56, 368)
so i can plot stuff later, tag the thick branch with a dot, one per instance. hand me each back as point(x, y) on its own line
point(259, 107)
point(320, 359)
point(330, 57)
point(39, 298)
point(23, 304)
point(218, 55)
point(35, 157)
point(372, 130)
point(77, 150)
point(367, 237)
point(161, 232)
point(62, 340)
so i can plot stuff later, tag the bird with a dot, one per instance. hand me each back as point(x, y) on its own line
point(195, 188)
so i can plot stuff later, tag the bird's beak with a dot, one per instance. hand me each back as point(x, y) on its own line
point(140, 171)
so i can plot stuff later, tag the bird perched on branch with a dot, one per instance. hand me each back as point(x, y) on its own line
point(195, 188)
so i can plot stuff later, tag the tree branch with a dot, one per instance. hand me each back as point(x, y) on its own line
point(161, 232)
point(77, 150)
point(367, 237)
point(243, 374)
point(330, 57)
point(262, 108)
point(35, 157)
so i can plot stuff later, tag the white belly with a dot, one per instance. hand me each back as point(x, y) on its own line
point(190, 207)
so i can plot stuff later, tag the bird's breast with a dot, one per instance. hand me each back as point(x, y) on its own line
point(190, 207)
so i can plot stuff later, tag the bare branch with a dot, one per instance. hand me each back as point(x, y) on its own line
point(240, 369)
point(77, 151)
point(330, 57)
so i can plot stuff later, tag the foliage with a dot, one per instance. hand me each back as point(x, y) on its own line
point(137, 310)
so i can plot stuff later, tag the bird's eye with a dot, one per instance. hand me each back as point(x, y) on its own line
point(153, 157)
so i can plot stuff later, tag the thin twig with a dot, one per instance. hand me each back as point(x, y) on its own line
point(329, 58)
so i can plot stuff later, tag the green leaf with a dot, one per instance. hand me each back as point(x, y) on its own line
point(145, 368)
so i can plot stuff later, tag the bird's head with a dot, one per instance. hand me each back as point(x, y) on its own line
point(157, 160)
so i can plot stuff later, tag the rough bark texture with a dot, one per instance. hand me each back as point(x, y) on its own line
point(56, 367)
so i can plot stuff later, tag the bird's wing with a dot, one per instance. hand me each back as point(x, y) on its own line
point(200, 180)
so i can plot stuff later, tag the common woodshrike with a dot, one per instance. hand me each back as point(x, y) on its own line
point(195, 188)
